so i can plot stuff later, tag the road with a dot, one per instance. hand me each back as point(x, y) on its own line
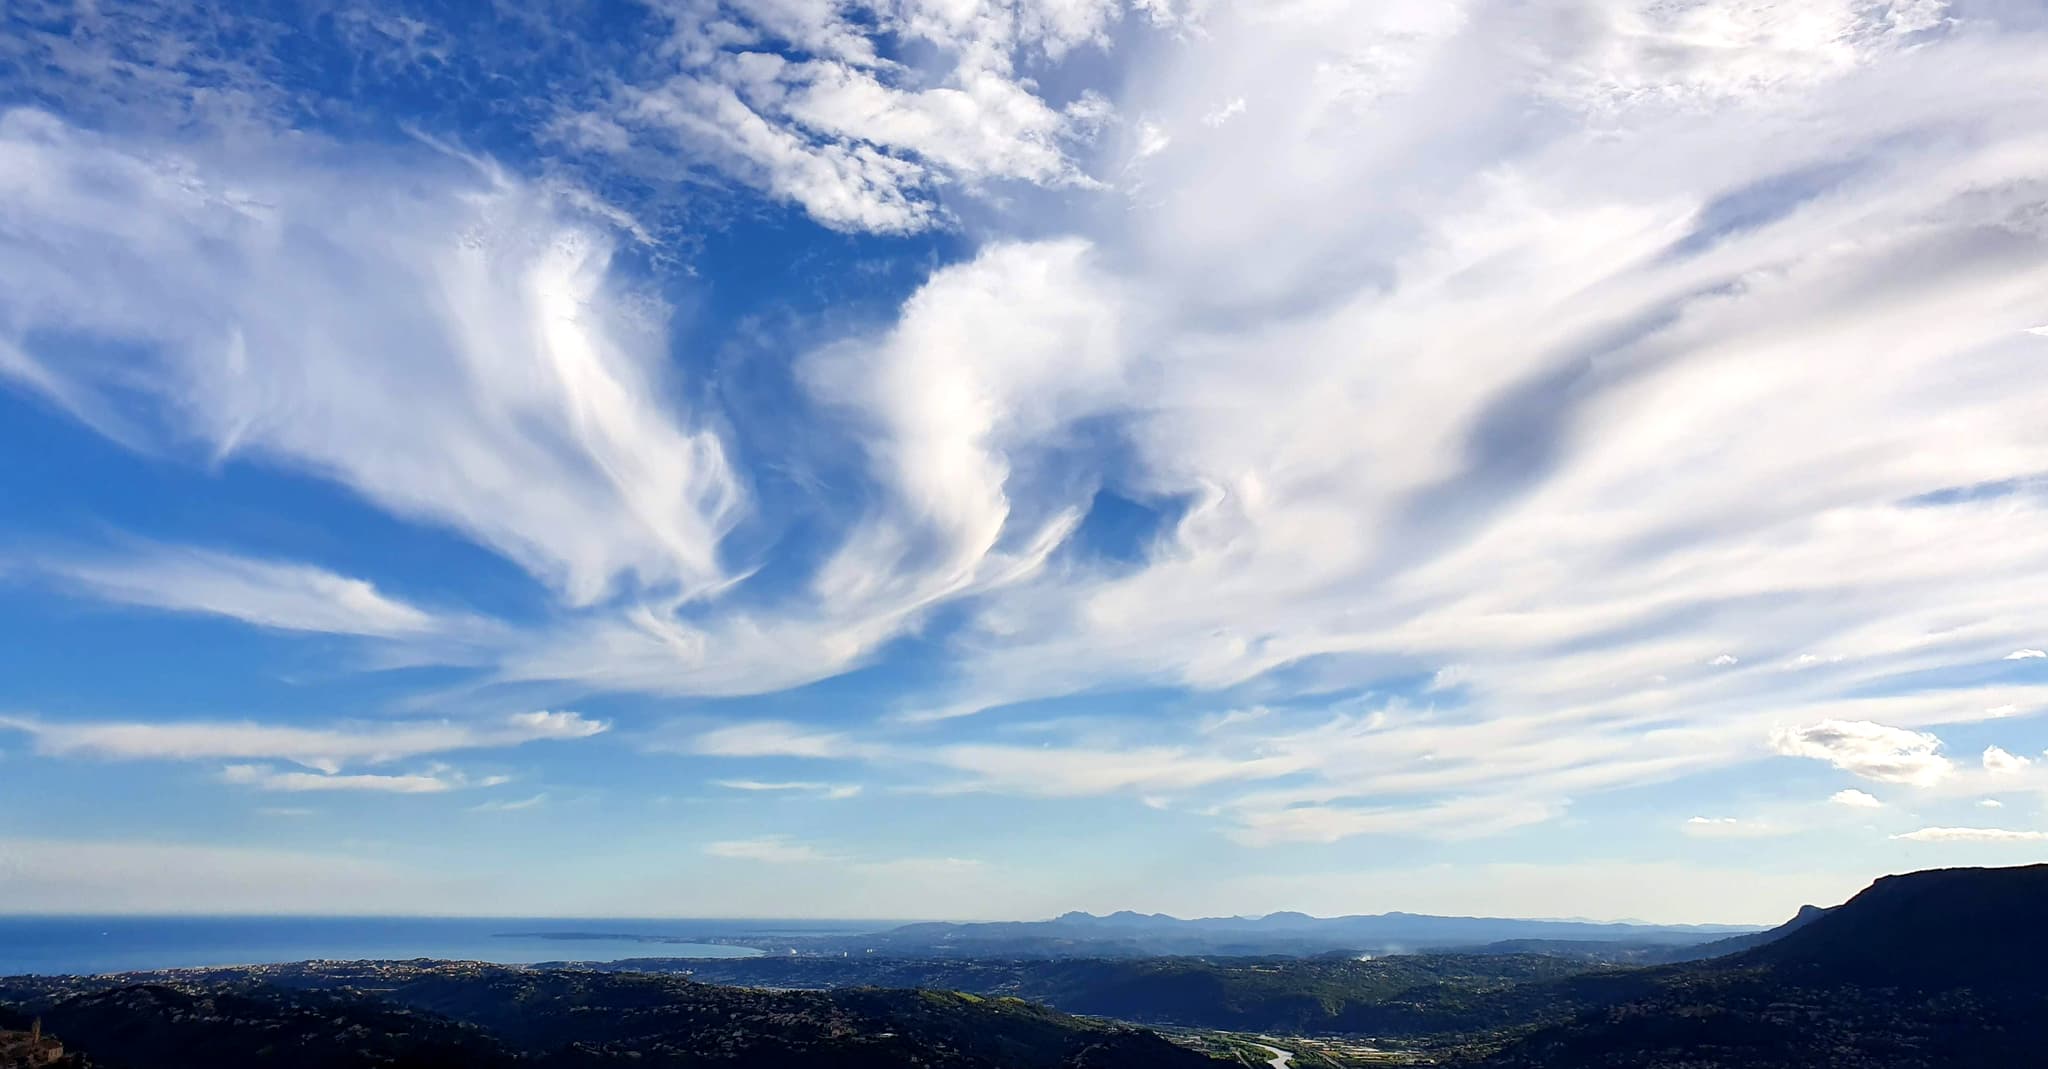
point(1280, 1057)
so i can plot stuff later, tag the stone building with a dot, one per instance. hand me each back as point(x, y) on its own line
point(29, 1050)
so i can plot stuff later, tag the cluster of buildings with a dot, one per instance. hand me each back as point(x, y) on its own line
point(29, 1050)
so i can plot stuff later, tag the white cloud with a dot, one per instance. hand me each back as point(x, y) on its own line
point(1732, 828)
point(406, 354)
point(1723, 661)
point(1873, 751)
point(1152, 140)
point(515, 805)
point(1260, 825)
point(2026, 655)
point(1990, 803)
point(1972, 835)
point(769, 738)
point(294, 597)
point(1228, 111)
point(1700, 57)
point(2000, 763)
point(1070, 772)
point(773, 850)
point(271, 779)
point(857, 141)
point(831, 791)
point(1659, 374)
point(1236, 718)
point(1855, 799)
point(327, 748)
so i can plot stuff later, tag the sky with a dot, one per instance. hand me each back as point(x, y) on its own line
point(929, 459)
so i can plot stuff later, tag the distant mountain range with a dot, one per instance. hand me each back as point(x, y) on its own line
point(1932, 970)
point(1129, 934)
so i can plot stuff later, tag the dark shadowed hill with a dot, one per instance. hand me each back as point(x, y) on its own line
point(1931, 929)
point(1932, 969)
point(1735, 944)
point(445, 1016)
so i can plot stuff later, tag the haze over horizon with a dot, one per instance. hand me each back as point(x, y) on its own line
point(898, 458)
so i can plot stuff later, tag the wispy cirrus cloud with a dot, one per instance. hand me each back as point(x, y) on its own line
point(327, 749)
point(513, 806)
point(831, 791)
point(769, 738)
point(325, 355)
point(1972, 835)
point(434, 781)
point(288, 596)
point(1623, 390)
point(771, 850)
point(1732, 828)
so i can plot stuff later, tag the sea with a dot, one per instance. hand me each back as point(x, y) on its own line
point(84, 945)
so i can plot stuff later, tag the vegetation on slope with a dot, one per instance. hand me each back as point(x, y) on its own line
point(425, 1016)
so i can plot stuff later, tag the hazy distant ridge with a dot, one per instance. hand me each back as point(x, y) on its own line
point(1275, 933)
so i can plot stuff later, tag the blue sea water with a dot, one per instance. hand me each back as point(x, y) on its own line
point(84, 945)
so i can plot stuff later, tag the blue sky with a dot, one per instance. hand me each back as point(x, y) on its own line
point(901, 458)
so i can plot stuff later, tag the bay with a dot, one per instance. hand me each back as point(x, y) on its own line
point(54, 945)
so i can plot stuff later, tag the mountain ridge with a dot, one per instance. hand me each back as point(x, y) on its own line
point(1936, 968)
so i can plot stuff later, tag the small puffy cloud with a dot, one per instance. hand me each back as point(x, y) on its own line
point(1872, 751)
point(2026, 655)
point(1225, 113)
point(1973, 835)
point(1855, 799)
point(2000, 763)
point(1152, 140)
point(1450, 675)
point(1724, 660)
point(1235, 717)
point(1731, 828)
point(772, 849)
point(1991, 803)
